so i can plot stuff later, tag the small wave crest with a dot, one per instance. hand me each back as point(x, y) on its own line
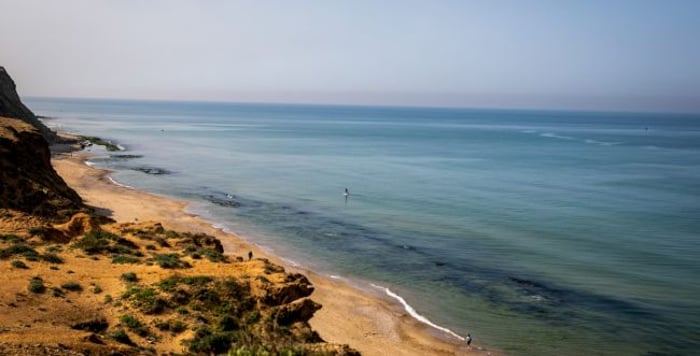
point(553, 135)
point(409, 309)
point(119, 184)
point(601, 143)
point(290, 262)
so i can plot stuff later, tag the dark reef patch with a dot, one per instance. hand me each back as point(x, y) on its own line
point(151, 170)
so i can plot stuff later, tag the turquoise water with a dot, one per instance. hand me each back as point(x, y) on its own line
point(538, 232)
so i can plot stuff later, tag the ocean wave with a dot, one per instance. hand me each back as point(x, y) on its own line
point(290, 262)
point(119, 184)
point(601, 143)
point(409, 309)
point(553, 135)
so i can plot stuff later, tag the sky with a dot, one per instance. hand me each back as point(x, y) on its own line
point(626, 55)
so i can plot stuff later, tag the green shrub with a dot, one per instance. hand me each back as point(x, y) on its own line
point(10, 238)
point(72, 286)
point(36, 285)
point(252, 317)
point(51, 258)
point(170, 260)
point(108, 299)
point(134, 325)
point(57, 292)
point(121, 336)
point(207, 342)
point(54, 249)
point(38, 231)
point(146, 300)
point(129, 277)
point(175, 326)
point(19, 248)
point(93, 243)
point(121, 259)
point(130, 321)
point(19, 264)
point(227, 323)
point(150, 247)
point(97, 289)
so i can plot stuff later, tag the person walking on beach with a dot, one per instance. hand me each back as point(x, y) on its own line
point(468, 339)
point(250, 255)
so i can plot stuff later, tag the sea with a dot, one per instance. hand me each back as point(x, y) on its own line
point(537, 232)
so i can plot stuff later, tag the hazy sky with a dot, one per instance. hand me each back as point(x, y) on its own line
point(628, 55)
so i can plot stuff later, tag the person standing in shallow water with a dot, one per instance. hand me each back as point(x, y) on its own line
point(250, 255)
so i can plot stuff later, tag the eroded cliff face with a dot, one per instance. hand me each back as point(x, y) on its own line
point(12, 106)
point(28, 182)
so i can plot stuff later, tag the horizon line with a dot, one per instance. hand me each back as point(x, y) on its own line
point(371, 105)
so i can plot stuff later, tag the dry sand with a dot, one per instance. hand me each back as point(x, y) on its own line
point(369, 322)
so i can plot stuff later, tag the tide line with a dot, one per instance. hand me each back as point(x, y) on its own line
point(119, 184)
point(409, 309)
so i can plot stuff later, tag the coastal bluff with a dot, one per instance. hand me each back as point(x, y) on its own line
point(29, 185)
point(77, 282)
point(12, 106)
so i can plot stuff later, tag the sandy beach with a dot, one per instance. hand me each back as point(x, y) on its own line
point(372, 323)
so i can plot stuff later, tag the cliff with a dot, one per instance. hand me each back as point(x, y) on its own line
point(28, 182)
point(12, 106)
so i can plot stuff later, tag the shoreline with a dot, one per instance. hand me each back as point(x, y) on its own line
point(379, 320)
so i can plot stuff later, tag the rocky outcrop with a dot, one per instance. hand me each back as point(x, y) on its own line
point(12, 106)
point(28, 182)
point(296, 286)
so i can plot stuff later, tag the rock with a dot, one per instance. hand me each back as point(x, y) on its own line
point(297, 311)
point(296, 287)
point(79, 224)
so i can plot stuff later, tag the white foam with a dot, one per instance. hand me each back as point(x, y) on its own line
point(553, 135)
point(119, 184)
point(529, 131)
point(409, 309)
point(290, 262)
point(601, 143)
point(89, 164)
